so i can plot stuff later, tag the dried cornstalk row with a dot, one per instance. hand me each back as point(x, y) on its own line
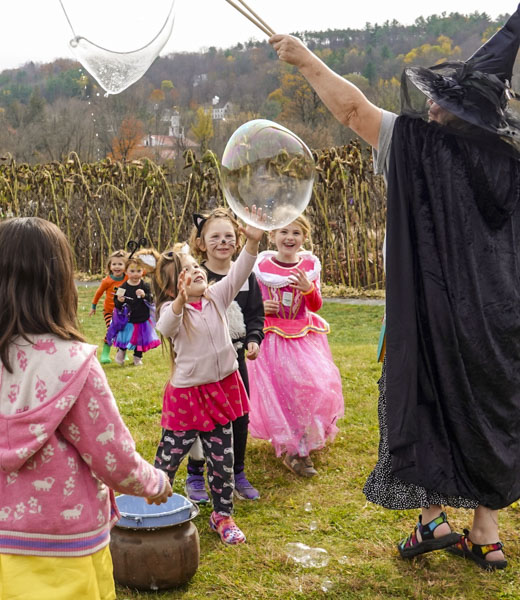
point(101, 206)
point(349, 215)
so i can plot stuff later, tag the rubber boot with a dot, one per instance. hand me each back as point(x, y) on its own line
point(105, 354)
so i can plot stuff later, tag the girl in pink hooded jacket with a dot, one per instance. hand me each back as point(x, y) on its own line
point(205, 393)
point(63, 444)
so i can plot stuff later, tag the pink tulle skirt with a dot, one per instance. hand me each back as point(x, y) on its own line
point(295, 393)
point(137, 336)
point(203, 407)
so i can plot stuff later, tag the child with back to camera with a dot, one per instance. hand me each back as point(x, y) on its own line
point(214, 240)
point(205, 393)
point(64, 446)
point(295, 389)
point(108, 286)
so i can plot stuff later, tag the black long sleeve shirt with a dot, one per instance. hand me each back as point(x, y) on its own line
point(138, 311)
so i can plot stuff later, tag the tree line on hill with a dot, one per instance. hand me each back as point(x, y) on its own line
point(50, 110)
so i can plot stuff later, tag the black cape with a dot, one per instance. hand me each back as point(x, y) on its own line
point(453, 314)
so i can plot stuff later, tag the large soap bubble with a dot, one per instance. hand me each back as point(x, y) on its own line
point(115, 70)
point(267, 166)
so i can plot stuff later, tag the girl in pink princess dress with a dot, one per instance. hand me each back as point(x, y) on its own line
point(295, 387)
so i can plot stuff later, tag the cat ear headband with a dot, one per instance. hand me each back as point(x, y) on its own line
point(199, 221)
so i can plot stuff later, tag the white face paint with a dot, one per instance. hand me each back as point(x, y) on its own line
point(219, 242)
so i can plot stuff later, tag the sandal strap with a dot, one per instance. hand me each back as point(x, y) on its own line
point(411, 540)
point(481, 550)
point(295, 463)
point(427, 529)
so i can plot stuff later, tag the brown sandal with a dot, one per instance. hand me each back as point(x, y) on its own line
point(309, 466)
point(300, 465)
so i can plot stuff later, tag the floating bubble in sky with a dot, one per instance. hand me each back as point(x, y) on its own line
point(117, 70)
point(267, 166)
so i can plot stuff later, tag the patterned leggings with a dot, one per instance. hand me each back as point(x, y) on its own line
point(108, 319)
point(218, 450)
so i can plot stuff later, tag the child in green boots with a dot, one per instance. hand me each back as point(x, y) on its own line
point(116, 277)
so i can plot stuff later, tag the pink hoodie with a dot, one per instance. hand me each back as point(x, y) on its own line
point(204, 351)
point(63, 444)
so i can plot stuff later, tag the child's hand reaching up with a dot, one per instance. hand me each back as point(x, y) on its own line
point(253, 234)
point(183, 282)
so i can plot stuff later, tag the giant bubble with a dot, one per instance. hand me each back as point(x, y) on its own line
point(267, 166)
point(124, 24)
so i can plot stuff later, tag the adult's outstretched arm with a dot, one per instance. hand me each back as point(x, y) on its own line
point(344, 100)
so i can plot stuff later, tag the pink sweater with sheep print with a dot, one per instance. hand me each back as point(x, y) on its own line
point(63, 449)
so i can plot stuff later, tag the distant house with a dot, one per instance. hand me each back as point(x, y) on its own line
point(166, 146)
point(221, 112)
point(173, 118)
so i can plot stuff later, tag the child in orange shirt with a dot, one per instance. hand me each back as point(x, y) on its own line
point(116, 277)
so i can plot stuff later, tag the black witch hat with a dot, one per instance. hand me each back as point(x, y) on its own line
point(478, 90)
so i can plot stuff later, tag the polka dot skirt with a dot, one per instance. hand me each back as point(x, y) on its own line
point(383, 488)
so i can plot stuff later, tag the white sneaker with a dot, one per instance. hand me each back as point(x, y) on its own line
point(138, 361)
point(120, 357)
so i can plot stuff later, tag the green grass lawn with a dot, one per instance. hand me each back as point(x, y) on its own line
point(359, 537)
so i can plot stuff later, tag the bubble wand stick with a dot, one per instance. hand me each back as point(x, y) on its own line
point(260, 23)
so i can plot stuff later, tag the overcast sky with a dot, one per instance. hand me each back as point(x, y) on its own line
point(37, 30)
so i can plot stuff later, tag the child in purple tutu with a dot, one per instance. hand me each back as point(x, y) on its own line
point(295, 387)
point(133, 325)
point(205, 393)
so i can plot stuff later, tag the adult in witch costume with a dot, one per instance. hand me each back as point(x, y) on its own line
point(449, 406)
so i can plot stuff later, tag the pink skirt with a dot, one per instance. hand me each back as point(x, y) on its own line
point(202, 407)
point(295, 393)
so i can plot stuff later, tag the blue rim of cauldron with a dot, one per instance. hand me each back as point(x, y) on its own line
point(138, 519)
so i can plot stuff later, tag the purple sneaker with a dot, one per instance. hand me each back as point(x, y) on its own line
point(195, 489)
point(243, 489)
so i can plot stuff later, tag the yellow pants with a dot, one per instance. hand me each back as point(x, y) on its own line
point(56, 578)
